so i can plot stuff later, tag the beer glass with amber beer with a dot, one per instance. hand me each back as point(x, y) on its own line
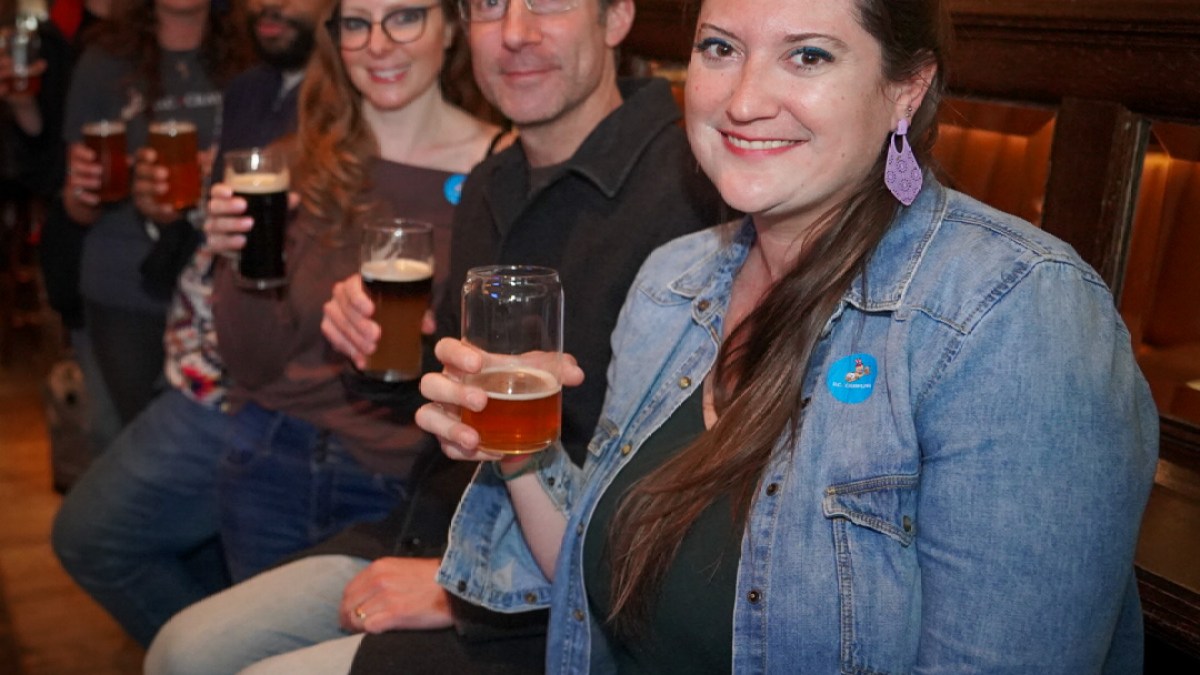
point(514, 315)
point(177, 146)
point(260, 176)
point(106, 138)
point(397, 273)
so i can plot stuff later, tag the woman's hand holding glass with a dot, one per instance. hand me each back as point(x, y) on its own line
point(81, 191)
point(449, 394)
point(347, 323)
point(225, 224)
point(149, 185)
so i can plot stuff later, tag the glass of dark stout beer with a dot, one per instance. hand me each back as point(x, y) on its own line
point(397, 273)
point(106, 138)
point(177, 146)
point(260, 176)
point(514, 315)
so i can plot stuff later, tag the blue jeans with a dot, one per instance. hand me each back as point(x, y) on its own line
point(274, 619)
point(286, 485)
point(137, 531)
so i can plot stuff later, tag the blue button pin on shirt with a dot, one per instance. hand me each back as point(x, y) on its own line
point(852, 379)
point(452, 188)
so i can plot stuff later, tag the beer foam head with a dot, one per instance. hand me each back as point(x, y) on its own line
point(400, 269)
point(517, 383)
point(104, 128)
point(172, 127)
point(258, 182)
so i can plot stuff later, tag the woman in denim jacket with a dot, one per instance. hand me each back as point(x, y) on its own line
point(877, 427)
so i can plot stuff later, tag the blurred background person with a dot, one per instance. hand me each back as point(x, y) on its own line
point(139, 531)
point(156, 60)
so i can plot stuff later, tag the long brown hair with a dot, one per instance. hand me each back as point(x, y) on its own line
point(335, 141)
point(131, 32)
point(762, 365)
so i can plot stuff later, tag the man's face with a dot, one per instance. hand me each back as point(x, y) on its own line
point(538, 69)
point(283, 31)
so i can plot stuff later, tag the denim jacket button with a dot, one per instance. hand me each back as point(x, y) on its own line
point(462, 587)
point(906, 522)
point(754, 596)
point(685, 382)
point(579, 529)
point(703, 305)
point(772, 489)
point(578, 614)
point(626, 449)
point(531, 598)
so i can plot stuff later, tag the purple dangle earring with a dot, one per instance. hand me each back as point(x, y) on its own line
point(902, 175)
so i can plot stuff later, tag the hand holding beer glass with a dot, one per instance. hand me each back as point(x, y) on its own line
point(397, 274)
point(260, 177)
point(177, 149)
point(106, 140)
point(514, 315)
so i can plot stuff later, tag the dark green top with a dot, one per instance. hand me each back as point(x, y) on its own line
point(691, 627)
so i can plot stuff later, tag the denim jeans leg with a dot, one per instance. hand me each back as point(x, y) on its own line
point(143, 506)
point(290, 607)
point(347, 493)
point(285, 485)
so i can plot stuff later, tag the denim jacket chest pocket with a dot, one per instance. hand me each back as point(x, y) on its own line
point(874, 530)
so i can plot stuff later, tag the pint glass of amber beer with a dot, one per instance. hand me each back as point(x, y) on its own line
point(106, 138)
point(397, 273)
point(177, 146)
point(514, 315)
point(260, 176)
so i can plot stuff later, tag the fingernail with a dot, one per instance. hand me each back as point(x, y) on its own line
point(477, 401)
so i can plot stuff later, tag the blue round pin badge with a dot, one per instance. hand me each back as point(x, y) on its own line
point(452, 188)
point(852, 379)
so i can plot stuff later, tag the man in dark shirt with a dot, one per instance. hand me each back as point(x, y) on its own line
point(138, 531)
point(600, 176)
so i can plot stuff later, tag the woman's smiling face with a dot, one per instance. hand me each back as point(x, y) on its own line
point(787, 105)
point(390, 75)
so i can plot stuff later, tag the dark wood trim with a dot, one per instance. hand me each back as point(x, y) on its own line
point(1143, 54)
point(1095, 163)
point(1171, 612)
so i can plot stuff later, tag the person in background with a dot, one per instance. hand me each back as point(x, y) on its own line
point(306, 457)
point(876, 426)
point(39, 152)
point(600, 176)
point(139, 531)
point(157, 59)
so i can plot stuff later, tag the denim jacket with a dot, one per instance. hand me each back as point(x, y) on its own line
point(976, 448)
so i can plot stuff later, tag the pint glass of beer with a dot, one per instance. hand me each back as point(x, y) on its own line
point(177, 146)
point(397, 273)
point(106, 138)
point(260, 176)
point(514, 315)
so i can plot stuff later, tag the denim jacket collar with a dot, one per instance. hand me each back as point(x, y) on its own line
point(889, 271)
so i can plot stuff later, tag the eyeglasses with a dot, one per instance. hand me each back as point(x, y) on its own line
point(481, 11)
point(406, 24)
